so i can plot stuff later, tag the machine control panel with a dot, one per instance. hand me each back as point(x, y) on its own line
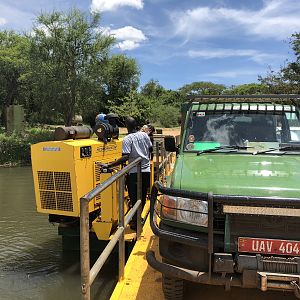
point(85, 151)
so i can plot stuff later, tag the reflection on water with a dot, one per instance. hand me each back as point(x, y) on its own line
point(32, 263)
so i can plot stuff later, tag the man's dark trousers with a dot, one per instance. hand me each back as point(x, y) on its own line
point(132, 188)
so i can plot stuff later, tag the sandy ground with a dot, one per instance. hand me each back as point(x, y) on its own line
point(165, 131)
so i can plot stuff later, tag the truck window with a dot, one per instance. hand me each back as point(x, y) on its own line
point(207, 130)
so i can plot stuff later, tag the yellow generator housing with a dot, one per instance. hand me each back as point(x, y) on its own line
point(64, 171)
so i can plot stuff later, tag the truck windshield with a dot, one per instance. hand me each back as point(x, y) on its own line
point(257, 131)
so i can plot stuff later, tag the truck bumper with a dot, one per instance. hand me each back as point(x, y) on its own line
point(262, 280)
point(190, 275)
point(239, 276)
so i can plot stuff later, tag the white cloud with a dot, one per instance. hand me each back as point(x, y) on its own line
point(2, 21)
point(128, 37)
point(128, 45)
point(277, 19)
point(128, 33)
point(235, 73)
point(254, 55)
point(107, 5)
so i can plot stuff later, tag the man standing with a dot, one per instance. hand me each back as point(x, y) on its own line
point(136, 144)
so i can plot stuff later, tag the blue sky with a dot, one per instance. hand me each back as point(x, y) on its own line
point(182, 41)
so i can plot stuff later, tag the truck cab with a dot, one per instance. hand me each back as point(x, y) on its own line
point(231, 210)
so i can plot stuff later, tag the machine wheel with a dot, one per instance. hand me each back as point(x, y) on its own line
point(173, 288)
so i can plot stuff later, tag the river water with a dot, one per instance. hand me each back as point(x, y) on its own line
point(32, 263)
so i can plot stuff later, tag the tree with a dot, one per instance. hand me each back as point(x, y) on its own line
point(13, 67)
point(135, 105)
point(68, 53)
point(152, 89)
point(287, 79)
point(165, 104)
point(120, 76)
point(202, 88)
point(247, 89)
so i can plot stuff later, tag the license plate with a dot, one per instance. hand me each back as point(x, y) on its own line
point(269, 246)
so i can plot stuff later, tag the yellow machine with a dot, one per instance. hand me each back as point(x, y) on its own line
point(65, 170)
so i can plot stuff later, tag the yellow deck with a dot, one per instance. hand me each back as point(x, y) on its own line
point(140, 280)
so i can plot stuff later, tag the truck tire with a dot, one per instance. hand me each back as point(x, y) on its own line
point(173, 288)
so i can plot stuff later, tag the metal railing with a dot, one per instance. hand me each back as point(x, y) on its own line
point(163, 160)
point(88, 275)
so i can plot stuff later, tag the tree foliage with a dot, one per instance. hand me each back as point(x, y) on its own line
point(65, 67)
point(67, 52)
point(247, 89)
point(135, 105)
point(13, 67)
point(202, 88)
point(287, 79)
point(152, 89)
point(153, 104)
point(121, 76)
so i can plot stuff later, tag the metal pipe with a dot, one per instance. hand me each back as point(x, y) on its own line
point(121, 224)
point(84, 250)
point(190, 275)
point(263, 96)
point(201, 242)
point(87, 275)
point(226, 199)
point(105, 254)
point(163, 162)
point(101, 187)
point(264, 283)
point(210, 231)
point(132, 211)
point(139, 197)
point(280, 286)
point(157, 160)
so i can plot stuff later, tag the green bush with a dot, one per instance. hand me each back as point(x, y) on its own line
point(166, 115)
point(15, 148)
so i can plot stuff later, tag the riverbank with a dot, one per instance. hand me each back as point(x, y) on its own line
point(15, 148)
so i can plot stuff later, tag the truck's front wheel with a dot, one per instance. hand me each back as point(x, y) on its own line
point(173, 287)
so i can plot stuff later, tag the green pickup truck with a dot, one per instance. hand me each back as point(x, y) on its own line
point(230, 214)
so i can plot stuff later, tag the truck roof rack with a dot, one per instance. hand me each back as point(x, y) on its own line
point(280, 98)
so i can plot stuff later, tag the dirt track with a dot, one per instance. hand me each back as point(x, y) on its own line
point(166, 131)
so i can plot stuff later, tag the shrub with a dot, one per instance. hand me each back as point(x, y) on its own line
point(15, 148)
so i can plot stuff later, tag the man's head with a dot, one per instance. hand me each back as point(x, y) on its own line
point(130, 124)
point(151, 129)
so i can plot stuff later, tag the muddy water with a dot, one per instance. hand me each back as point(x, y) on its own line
point(32, 263)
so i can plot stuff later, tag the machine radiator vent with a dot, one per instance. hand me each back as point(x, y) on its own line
point(97, 178)
point(97, 172)
point(55, 190)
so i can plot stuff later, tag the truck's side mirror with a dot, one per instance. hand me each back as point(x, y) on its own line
point(170, 145)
